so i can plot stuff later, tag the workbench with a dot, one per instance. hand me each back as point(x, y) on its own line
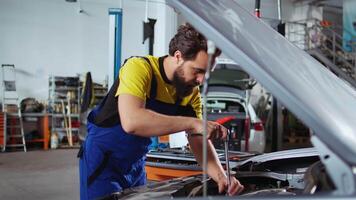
point(31, 121)
point(42, 126)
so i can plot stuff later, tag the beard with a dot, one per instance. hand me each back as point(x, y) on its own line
point(183, 88)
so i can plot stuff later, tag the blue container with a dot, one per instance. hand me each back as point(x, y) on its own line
point(154, 144)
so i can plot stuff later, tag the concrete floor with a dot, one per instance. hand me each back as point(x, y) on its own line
point(33, 175)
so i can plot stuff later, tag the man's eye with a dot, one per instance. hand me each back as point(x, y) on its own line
point(198, 71)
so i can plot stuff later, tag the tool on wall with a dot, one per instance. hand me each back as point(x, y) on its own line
point(149, 30)
point(148, 33)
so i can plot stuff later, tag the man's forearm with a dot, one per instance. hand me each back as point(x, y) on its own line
point(148, 123)
point(215, 170)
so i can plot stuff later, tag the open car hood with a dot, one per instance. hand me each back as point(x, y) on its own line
point(315, 95)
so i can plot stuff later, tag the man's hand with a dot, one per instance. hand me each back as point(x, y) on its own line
point(214, 129)
point(234, 189)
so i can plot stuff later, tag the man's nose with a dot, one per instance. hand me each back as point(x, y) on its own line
point(200, 78)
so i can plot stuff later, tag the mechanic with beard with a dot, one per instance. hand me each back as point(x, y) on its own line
point(152, 97)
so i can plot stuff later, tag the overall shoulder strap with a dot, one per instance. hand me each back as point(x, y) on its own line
point(108, 113)
point(153, 92)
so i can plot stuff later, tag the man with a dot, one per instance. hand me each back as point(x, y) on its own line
point(154, 97)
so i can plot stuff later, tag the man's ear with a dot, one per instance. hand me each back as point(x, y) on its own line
point(178, 57)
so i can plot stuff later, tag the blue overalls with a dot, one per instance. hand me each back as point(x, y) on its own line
point(111, 159)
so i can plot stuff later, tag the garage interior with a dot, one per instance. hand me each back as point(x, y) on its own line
point(60, 57)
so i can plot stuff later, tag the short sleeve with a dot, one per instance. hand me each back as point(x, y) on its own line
point(135, 78)
point(196, 103)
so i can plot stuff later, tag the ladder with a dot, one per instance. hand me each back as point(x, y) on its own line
point(13, 125)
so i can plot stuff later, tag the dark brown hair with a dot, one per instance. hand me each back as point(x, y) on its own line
point(188, 41)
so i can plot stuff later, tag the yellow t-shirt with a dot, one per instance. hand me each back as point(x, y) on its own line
point(135, 79)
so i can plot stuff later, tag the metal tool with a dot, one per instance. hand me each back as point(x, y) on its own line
point(227, 159)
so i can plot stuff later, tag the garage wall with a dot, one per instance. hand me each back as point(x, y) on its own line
point(166, 26)
point(133, 16)
point(43, 37)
